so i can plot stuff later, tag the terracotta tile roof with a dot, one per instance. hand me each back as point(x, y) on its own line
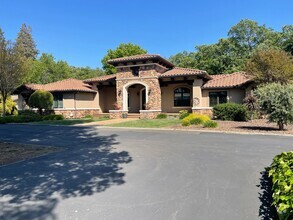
point(140, 57)
point(101, 78)
point(177, 71)
point(227, 80)
point(62, 86)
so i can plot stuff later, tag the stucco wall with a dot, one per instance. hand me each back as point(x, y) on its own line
point(168, 98)
point(234, 95)
point(107, 97)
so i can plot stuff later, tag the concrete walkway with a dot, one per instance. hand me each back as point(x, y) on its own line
point(108, 122)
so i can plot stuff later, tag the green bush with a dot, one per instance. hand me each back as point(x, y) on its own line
point(41, 99)
point(20, 119)
point(277, 101)
point(230, 112)
point(195, 119)
point(161, 116)
point(27, 112)
point(210, 124)
point(183, 114)
point(53, 117)
point(281, 172)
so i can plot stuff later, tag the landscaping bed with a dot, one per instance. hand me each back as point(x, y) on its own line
point(255, 126)
point(10, 152)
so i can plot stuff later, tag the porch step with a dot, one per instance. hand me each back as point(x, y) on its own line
point(133, 115)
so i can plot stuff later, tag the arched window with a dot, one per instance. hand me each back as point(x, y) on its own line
point(182, 96)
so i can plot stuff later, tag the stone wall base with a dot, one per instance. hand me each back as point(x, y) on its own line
point(203, 111)
point(149, 114)
point(77, 113)
point(118, 114)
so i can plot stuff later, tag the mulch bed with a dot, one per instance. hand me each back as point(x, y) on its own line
point(11, 153)
point(255, 126)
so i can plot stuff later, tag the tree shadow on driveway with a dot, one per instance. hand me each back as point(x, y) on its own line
point(266, 210)
point(89, 164)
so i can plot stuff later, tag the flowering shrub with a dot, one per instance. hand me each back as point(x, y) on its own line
point(195, 119)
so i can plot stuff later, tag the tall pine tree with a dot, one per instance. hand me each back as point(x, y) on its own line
point(25, 43)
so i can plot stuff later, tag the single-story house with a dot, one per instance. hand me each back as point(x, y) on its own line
point(144, 84)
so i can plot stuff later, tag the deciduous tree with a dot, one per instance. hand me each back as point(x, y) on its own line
point(270, 65)
point(12, 69)
point(277, 100)
point(122, 50)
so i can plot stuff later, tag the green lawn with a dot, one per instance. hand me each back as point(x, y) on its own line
point(70, 121)
point(148, 123)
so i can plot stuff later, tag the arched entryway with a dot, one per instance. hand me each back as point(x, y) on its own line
point(135, 97)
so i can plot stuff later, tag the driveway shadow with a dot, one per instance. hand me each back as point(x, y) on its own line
point(89, 164)
point(266, 210)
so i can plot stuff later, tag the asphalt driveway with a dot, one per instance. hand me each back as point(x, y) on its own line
point(125, 174)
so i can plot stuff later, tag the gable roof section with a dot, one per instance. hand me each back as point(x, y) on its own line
point(227, 80)
point(178, 71)
point(62, 86)
point(101, 78)
point(141, 57)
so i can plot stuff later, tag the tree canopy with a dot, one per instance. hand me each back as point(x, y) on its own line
point(231, 54)
point(41, 99)
point(25, 43)
point(12, 69)
point(122, 50)
point(270, 65)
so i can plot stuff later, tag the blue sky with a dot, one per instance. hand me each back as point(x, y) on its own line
point(81, 31)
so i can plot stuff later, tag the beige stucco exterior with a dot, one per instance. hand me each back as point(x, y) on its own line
point(233, 95)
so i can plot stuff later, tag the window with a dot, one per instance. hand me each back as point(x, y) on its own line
point(58, 101)
point(217, 98)
point(135, 70)
point(182, 97)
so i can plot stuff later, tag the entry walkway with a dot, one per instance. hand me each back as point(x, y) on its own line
point(108, 122)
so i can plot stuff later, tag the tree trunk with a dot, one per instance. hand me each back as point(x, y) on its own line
point(281, 125)
point(40, 111)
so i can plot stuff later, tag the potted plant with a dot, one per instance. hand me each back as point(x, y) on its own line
point(116, 106)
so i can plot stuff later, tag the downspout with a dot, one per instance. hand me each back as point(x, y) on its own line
point(74, 96)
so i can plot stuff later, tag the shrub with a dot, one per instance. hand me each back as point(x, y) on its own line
point(185, 123)
point(183, 114)
point(195, 119)
point(230, 112)
point(210, 124)
point(41, 99)
point(28, 112)
point(161, 116)
point(281, 172)
point(20, 119)
point(53, 117)
point(277, 101)
point(10, 107)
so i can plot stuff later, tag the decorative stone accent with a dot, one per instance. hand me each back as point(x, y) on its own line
point(118, 114)
point(77, 113)
point(149, 114)
point(203, 110)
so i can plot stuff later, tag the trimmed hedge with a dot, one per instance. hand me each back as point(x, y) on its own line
point(231, 112)
point(29, 117)
point(161, 116)
point(281, 172)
